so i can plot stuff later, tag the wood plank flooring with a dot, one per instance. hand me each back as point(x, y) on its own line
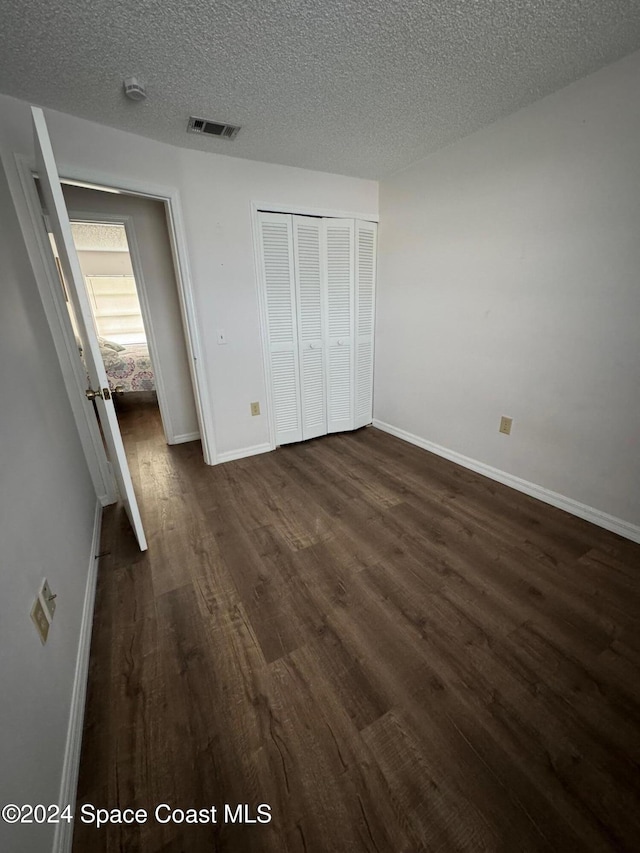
point(394, 653)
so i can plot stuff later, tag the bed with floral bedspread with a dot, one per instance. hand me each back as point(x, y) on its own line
point(129, 366)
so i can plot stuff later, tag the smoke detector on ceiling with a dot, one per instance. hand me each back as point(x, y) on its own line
point(212, 128)
point(134, 89)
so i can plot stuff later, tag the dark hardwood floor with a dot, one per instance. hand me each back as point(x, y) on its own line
point(394, 653)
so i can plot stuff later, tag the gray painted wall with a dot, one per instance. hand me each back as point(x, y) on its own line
point(47, 507)
point(509, 284)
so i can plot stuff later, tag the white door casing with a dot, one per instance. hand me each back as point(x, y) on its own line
point(57, 211)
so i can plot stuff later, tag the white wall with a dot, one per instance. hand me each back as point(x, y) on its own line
point(47, 505)
point(216, 193)
point(149, 224)
point(509, 283)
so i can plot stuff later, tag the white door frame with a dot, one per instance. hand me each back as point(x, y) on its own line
point(271, 207)
point(127, 220)
point(39, 250)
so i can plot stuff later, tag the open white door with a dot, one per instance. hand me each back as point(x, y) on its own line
point(61, 228)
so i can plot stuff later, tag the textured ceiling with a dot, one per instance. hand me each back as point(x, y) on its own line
point(95, 237)
point(357, 87)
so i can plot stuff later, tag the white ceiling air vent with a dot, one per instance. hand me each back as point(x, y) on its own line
point(212, 128)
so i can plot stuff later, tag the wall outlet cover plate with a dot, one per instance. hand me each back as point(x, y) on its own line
point(505, 425)
point(48, 598)
point(40, 620)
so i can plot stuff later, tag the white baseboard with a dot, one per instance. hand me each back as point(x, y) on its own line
point(230, 455)
point(69, 783)
point(184, 437)
point(589, 513)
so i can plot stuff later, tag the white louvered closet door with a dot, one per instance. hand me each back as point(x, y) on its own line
point(365, 260)
point(276, 246)
point(308, 258)
point(339, 240)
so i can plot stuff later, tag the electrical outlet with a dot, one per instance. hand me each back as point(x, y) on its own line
point(505, 425)
point(48, 598)
point(255, 408)
point(40, 620)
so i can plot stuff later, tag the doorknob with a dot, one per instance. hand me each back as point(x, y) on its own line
point(101, 392)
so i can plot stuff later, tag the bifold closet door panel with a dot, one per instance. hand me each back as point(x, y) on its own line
point(276, 245)
point(339, 245)
point(308, 253)
point(365, 261)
